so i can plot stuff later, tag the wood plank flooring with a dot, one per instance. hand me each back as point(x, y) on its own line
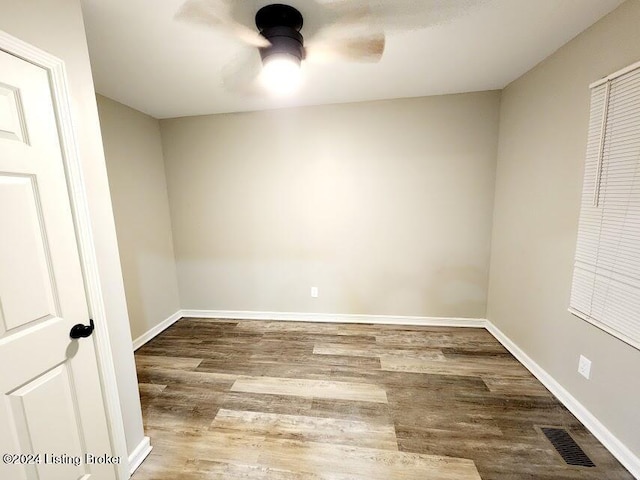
point(290, 401)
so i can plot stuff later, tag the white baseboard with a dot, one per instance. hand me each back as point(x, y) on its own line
point(336, 318)
point(625, 456)
point(139, 454)
point(151, 333)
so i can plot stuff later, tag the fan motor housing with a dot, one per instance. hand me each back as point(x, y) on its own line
point(281, 25)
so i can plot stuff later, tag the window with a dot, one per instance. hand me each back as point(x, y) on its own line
point(606, 278)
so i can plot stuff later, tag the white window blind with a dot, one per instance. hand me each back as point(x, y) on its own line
point(606, 278)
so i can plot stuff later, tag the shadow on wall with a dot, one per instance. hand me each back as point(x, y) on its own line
point(250, 284)
point(452, 289)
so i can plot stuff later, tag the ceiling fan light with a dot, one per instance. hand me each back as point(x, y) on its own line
point(281, 74)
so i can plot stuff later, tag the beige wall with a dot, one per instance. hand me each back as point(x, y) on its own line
point(56, 26)
point(384, 206)
point(135, 165)
point(543, 133)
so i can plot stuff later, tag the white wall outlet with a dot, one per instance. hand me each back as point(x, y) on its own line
point(314, 292)
point(584, 367)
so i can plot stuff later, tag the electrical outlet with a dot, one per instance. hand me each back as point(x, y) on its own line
point(584, 367)
point(314, 292)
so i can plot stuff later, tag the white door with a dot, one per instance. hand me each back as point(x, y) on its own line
point(52, 417)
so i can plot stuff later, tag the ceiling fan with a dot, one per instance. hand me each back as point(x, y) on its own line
point(350, 30)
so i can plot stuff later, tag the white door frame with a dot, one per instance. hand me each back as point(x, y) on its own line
point(88, 259)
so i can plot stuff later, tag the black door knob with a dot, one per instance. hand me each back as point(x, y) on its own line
point(81, 331)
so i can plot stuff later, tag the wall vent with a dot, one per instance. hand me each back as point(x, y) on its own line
point(566, 446)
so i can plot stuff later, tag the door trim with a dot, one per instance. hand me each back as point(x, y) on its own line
point(84, 236)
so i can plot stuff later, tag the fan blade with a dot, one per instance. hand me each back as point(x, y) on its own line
point(353, 36)
point(240, 75)
point(411, 14)
point(217, 14)
point(400, 14)
point(365, 49)
point(355, 29)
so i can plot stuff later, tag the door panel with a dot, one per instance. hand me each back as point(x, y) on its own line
point(52, 405)
point(45, 410)
point(26, 279)
point(12, 124)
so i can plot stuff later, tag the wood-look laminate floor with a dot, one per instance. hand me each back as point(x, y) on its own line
point(285, 400)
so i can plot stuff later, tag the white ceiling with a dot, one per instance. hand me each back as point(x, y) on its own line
point(144, 58)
